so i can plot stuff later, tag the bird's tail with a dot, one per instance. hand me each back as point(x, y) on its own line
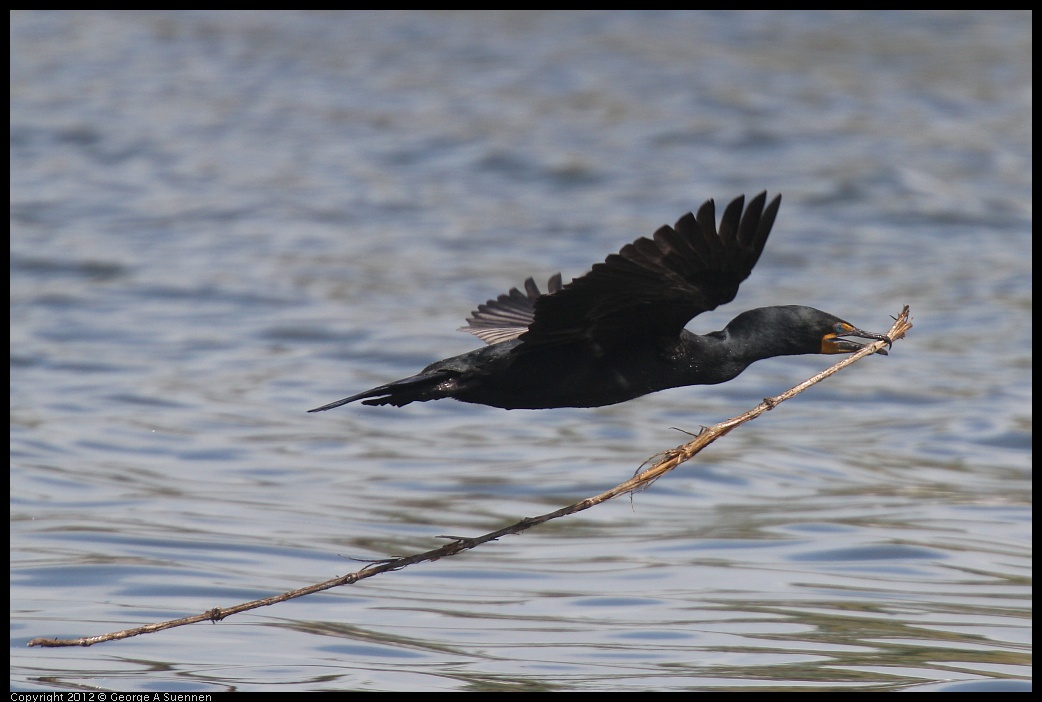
point(417, 388)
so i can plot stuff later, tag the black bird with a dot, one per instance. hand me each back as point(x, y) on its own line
point(617, 332)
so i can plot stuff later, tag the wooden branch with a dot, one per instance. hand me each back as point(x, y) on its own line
point(667, 461)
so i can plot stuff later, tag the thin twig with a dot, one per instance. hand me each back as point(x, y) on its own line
point(667, 461)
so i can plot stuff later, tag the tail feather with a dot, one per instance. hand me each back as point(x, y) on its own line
point(417, 388)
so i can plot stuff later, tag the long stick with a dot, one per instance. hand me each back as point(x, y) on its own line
point(667, 461)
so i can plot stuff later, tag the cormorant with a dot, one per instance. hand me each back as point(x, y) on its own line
point(617, 332)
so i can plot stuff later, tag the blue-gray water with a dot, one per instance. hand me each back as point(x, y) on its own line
point(221, 220)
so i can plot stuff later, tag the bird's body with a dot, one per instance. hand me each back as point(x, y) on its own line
point(617, 333)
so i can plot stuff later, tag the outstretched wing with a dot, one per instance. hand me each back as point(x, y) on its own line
point(508, 316)
point(652, 287)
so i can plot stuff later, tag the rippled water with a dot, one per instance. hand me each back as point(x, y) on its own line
point(219, 220)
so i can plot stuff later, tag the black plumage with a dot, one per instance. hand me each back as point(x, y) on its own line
point(617, 333)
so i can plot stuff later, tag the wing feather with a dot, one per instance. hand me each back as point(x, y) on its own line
point(653, 286)
point(656, 286)
point(509, 315)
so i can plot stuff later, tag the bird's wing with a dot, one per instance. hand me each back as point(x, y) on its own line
point(653, 287)
point(508, 316)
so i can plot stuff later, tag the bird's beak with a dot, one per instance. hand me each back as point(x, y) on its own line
point(832, 343)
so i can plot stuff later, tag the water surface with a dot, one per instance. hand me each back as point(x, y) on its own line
point(219, 220)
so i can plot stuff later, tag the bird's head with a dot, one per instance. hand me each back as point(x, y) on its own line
point(795, 329)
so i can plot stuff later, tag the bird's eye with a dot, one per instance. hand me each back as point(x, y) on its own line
point(840, 328)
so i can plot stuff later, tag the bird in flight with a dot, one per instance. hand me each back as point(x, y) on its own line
point(617, 332)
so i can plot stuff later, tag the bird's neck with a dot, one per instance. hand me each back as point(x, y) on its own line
point(721, 356)
point(708, 359)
